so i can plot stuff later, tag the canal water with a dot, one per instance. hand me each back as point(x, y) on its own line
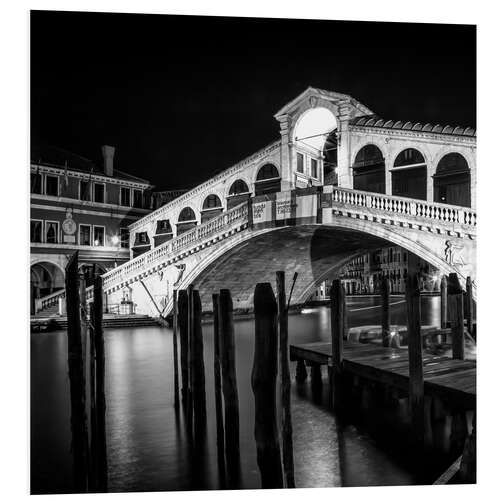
point(147, 445)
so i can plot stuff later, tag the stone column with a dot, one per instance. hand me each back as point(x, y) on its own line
point(344, 149)
point(286, 154)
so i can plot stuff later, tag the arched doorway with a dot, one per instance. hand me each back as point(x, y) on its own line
point(45, 278)
point(409, 175)
point(368, 170)
point(186, 221)
point(238, 193)
point(212, 206)
point(452, 180)
point(268, 180)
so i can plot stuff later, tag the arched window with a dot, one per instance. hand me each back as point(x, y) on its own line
point(186, 221)
point(369, 170)
point(267, 171)
point(409, 175)
point(212, 201)
point(212, 207)
point(238, 187)
point(238, 193)
point(268, 180)
point(452, 180)
point(187, 215)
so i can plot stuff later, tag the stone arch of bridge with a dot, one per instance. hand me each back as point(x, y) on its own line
point(317, 252)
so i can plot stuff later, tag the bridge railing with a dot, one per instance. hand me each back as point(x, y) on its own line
point(170, 249)
point(439, 212)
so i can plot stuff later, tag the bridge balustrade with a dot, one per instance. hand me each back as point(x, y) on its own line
point(439, 212)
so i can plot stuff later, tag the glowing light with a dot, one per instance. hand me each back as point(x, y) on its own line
point(115, 239)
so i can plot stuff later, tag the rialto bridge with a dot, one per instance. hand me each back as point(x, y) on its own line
point(338, 181)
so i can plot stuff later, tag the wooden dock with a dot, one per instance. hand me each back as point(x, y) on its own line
point(451, 380)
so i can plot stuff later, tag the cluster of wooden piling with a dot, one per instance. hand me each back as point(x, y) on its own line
point(89, 459)
point(275, 460)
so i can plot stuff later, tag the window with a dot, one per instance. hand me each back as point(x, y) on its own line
point(84, 190)
point(300, 163)
point(98, 192)
point(137, 198)
point(84, 235)
point(124, 237)
point(98, 236)
point(125, 197)
point(36, 183)
point(51, 185)
point(212, 201)
point(314, 168)
point(36, 231)
point(51, 232)
point(238, 187)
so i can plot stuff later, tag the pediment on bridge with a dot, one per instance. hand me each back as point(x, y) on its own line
point(312, 97)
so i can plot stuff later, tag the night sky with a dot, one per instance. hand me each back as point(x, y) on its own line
point(182, 97)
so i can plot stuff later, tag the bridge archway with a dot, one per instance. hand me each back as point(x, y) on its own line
point(212, 206)
point(268, 180)
point(368, 169)
point(186, 220)
point(452, 180)
point(238, 193)
point(409, 175)
point(316, 252)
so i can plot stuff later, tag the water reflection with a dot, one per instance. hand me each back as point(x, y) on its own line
point(148, 446)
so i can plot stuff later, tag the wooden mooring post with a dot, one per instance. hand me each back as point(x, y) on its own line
point(174, 339)
point(100, 397)
point(337, 310)
point(199, 397)
point(415, 367)
point(219, 417)
point(444, 302)
point(469, 306)
point(385, 320)
point(79, 431)
point(190, 323)
point(286, 414)
point(264, 374)
point(456, 315)
point(182, 305)
point(229, 386)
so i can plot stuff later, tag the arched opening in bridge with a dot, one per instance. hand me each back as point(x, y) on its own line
point(212, 206)
point(45, 278)
point(268, 180)
point(409, 175)
point(315, 141)
point(452, 181)
point(238, 193)
point(141, 243)
point(186, 221)
point(163, 232)
point(368, 170)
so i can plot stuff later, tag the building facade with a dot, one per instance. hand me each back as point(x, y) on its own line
point(76, 204)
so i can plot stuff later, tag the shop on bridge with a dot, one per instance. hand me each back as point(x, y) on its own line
point(368, 170)
point(452, 181)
